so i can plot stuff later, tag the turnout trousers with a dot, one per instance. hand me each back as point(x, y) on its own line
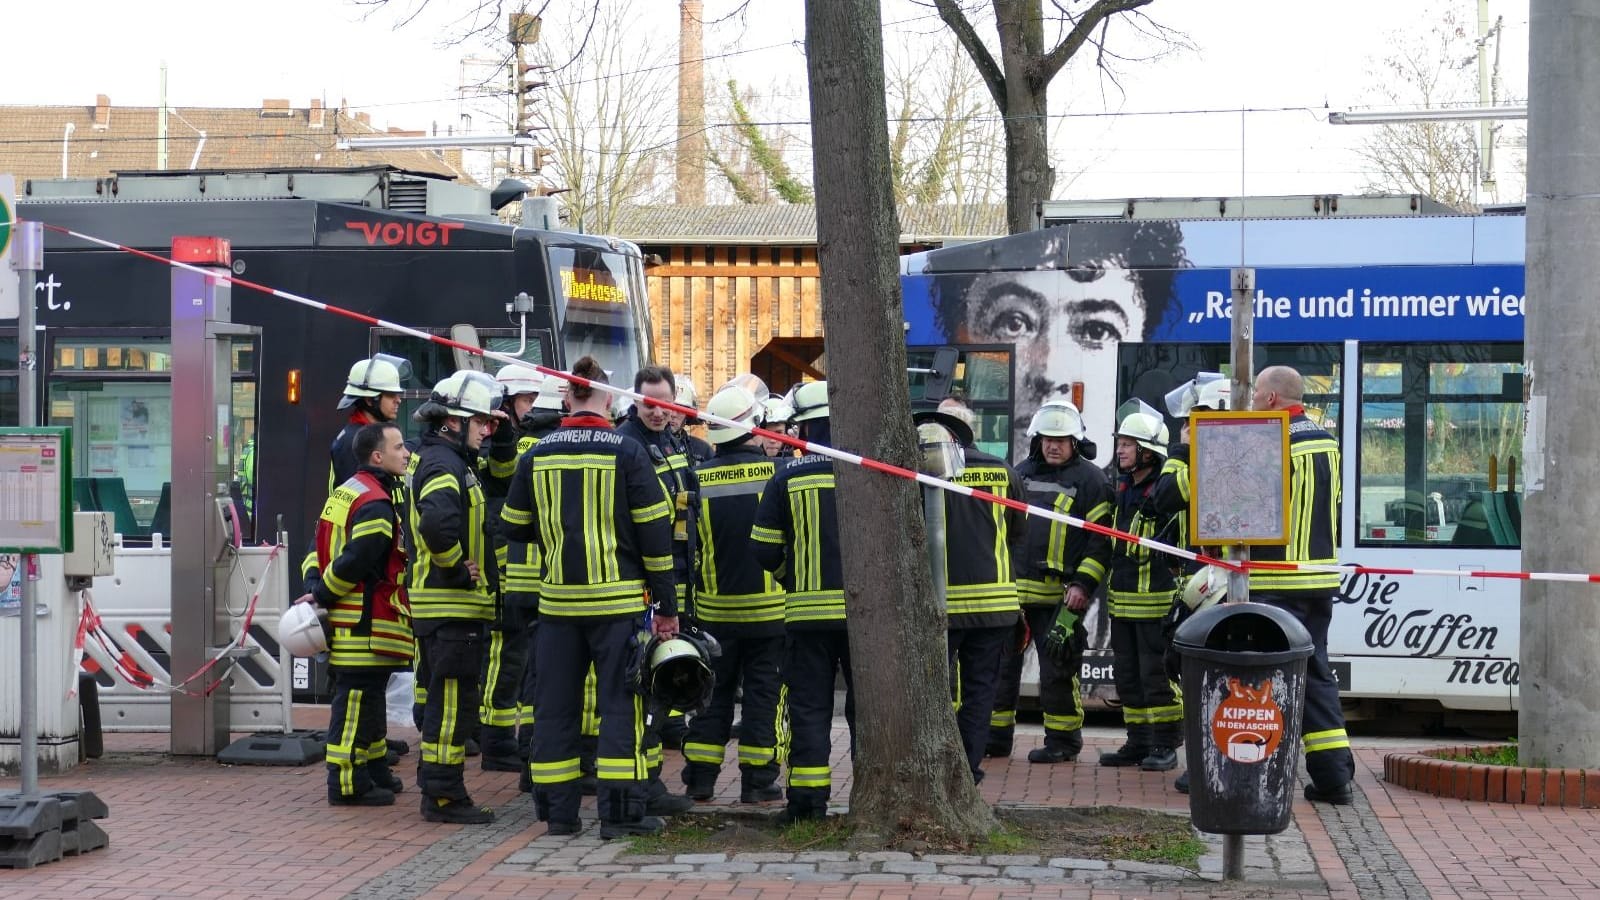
point(508, 658)
point(1152, 706)
point(565, 649)
point(1060, 694)
point(755, 662)
point(358, 729)
point(451, 656)
point(1329, 763)
point(975, 657)
point(811, 660)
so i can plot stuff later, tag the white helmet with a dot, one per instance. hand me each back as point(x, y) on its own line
point(736, 403)
point(465, 394)
point(679, 673)
point(750, 382)
point(778, 412)
point(1207, 587)
point(552, 391)
point(1058, 418)
point(1207, 390)
point(685, 395)
point(300, 631)
point(1217, 394)
point(517, 378)
point(1136, 419)
point(373, 377)
point(809, 400)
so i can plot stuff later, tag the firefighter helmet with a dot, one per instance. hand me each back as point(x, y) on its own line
point(809, 400)
point(1058, 418)
point(1207, 587)
point(752, 383)
point(736, 403)
point(300, 631)
point(676, 673)
point(1207, 390)
point(465, 394)
point(374, 377)
point(1217, 394)
point(552, 391)
point(517, 378)
point(1140, 422)
point(686, 395)
point(777, 412)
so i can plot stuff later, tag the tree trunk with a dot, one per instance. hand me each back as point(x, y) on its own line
point(910, 770)
point(1029, 176)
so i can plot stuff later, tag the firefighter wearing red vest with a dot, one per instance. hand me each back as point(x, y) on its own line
point(361, 563)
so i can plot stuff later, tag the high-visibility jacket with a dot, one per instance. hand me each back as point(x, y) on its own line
point(362, 563)
point(980, 540)
point(734, 594)
point(670, 458)
point(796, 535)
point(448, 529)
point(342, 464)
point(1143, 582)
point(522, 565)
point(1314, 494)
point(588, 498)
point(1055, 554)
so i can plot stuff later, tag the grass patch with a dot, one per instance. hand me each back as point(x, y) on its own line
point(1087, 833)
point(1485, 756)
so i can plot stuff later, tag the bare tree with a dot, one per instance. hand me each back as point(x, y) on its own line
point(946, 144)
point(1019, 81)
point(1434, 68)
point(609, 118)
point(910, 770)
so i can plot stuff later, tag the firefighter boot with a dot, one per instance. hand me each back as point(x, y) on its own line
point(622, 814)
point(999, 745)
point(700, 780)
point(759, 784)
point(500, 749)
point(1059, 747)
point(1133, 750)
point(1165, 738)
point(658, 801)
point(455, 812)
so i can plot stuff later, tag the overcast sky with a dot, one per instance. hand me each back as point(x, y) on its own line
point(1256, 55)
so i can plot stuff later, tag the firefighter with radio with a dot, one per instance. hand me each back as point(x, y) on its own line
point(652, 426)
point(742, 605)
point(361, 560)
point(454, 584)
point(1151, 501)
point(980, 591)
point(796, 536)
point(588, 499)
point(511, 637)
point(1058, 571)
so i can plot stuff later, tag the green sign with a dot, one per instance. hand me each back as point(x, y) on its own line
point(9, 285)
point(35, 490)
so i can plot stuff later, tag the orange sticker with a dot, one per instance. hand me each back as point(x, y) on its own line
point(1248, 725)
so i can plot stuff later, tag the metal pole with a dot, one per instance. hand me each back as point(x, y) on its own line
point(1241, 359)
point(28, 258)
point(933, 516)
point(1559, 714)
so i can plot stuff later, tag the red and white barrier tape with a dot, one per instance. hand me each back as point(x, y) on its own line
point(830, 452)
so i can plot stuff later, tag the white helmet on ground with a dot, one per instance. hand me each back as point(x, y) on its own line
point(300, 631)
point(736, 403)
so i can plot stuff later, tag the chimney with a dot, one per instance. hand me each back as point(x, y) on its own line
point(102, 112)
point(275, 109)
point(316, 113)
point(690, 182)
point(364, 118)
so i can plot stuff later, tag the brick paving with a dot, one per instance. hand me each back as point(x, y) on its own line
point(191, 828)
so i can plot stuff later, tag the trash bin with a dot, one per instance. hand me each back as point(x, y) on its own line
point(1244, 688)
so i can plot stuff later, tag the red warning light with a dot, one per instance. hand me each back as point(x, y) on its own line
point(202, 251)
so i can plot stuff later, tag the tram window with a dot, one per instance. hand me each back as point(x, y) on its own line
point(111, 355)
point(122, 432)
point(10, 405)
point(540, 350)
point(983, 383)
point(1440, 447)
point(1149, 371)
point(431, 363)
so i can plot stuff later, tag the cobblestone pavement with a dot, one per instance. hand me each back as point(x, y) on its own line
point(192, 828)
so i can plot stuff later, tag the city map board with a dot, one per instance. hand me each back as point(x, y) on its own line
point(1239, 477)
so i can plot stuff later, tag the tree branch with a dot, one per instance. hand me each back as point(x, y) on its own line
point(1085, 26)
point(950, 12)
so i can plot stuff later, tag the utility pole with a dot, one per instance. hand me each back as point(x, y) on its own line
point(690, 184)
point(1487, 97)
point(1559, 714)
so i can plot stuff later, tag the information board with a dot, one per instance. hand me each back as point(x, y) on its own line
point(35, 490)
point(1239, 477)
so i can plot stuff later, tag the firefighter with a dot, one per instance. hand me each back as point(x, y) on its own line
point(453, 585)
point(1057, 564)
point(694, 448)
point(511, 634)
point(1151, 501)
point(739, 603)
point(796, 534)
point(980, 592)
point(588, 498)
point(776, 415)
point(1308, 596)
point(652, 426)
point(362, 563)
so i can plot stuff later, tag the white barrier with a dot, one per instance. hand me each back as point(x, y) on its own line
point(57, 713)
point(135, 607)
